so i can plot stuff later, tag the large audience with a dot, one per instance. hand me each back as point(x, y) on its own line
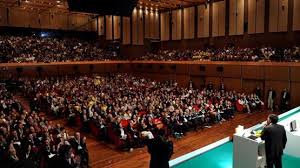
point(28, 139)
point(228, 54)
point(16, 49)
point(118, 108)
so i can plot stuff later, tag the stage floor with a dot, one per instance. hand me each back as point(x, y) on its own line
point(222, 156)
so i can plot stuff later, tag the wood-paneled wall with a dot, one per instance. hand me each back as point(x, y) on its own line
point(20, 17)
point(165, 26)
point(278, 15)
point(203, 21)
point(218, 19)
point(176, 24)
point(126, 37)
point(137, 27)
point(296, 15)
point(117, 27)
point(101, 24)
point(256, 16)
point(236, 17)
point(189, 23)
point(109, 27)
point(151, 24)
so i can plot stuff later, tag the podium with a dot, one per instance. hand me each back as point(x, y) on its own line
point(248, 151)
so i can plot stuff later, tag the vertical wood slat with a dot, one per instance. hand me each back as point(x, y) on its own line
point(126, 30)
point(296, 15)
point(108, 27)
point(273, 19)
point(117, 27)
point(260, 16)
point(165, 26)
point(251, 16)
point(215, 19)
point(176, 24)
point(222, 17)
point(283, 11)
point(203, 21)
point(240, 17)
point(189, 22)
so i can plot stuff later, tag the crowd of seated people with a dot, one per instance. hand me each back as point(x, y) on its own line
point(28, 139)
point(228, 54)
point(45, 49)
point(119, 107)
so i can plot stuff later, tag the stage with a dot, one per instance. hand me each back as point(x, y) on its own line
point(220, 154)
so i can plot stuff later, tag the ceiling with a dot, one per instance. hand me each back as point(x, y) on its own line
point(62, 5)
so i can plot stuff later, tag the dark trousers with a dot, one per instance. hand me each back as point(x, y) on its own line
point(271, 162)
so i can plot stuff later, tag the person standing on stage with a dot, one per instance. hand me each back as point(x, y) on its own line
point(160, 149)
point(271, 99)
point(275, 141)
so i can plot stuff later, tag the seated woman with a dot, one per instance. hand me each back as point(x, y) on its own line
point(242, 104)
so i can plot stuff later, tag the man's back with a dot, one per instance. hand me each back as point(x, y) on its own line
point(275, 140)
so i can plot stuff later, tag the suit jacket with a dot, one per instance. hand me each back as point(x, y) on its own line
point(160, 153)
point(273, 94)
point(287, 97)
point(275, 140)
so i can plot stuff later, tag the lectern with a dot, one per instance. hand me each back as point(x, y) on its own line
point(249, 151)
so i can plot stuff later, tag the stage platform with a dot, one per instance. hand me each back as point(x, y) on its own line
point(220, 154)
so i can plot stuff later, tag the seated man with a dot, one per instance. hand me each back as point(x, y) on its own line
point(79, 145)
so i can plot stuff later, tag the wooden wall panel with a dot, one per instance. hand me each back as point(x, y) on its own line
point(126, 30)
point(134, 26)
point(108, 27)
point(3, 16)
point(61, 21)
point(232, 84)
point(203, 21)
point(101, 24)
point(232, 71)
point(147, 24)
point(296, 15)
point(295, 96)
point(295, 71)
point(278, 15)
point(260, 16)
point(252, 72)
point(16, 20)
point(218, 27)
point(156, 25)
point(117, 27)
point(283, 15)
point(256, 16)
point(140, 25)
point(240, 17)
point(44, 20)
point(215, 19)
point(176, 24)
point(249, 85)
point(216, 81)
point(232, 17)
point(273, 16)
point(182, 80)
point(165, 26)
point(251, 17)
point(189, 23)
point(222, 16)
point(277, 73)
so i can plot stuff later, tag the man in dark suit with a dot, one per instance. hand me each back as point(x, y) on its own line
point(160, 150)
point(275, 141)
point(284, 100)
